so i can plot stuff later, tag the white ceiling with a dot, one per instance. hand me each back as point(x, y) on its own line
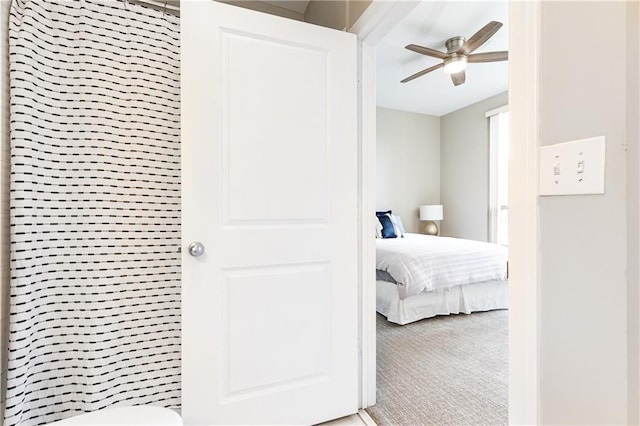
point(294, 5)
point(430, 24)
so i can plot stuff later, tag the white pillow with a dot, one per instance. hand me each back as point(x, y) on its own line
point(378, 228)
point(397, 223)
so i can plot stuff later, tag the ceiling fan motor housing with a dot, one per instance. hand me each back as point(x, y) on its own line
point(454, 43)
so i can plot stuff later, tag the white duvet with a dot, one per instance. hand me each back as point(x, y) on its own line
point(426, 263)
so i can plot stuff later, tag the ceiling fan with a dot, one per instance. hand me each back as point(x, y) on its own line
point(459, 53)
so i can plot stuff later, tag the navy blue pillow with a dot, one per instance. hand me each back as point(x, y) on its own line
point(388, 230)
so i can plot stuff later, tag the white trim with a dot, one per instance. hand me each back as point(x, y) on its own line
point(493, 178)
point(366, 418)
point(377, 20)
point(380, 17)
point(495, 142)
point(367, 194)
point(524, 349)
point(633, 212)
point(636, 404)
point(496, 111)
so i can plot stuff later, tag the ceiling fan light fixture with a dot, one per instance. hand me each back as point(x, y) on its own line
point(455, 64)
point(459, 53)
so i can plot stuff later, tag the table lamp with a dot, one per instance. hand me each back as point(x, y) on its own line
point(431, 213)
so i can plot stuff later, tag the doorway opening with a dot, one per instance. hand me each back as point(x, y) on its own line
point(524, 79)
point(434, 149)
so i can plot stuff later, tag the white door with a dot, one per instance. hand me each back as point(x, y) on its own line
point(269, 173)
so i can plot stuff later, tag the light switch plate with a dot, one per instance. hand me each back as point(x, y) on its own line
point(573, 168)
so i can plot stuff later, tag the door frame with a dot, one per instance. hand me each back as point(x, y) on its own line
point(524, 352)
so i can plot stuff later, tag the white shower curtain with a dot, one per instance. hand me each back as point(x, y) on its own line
point(95, 209)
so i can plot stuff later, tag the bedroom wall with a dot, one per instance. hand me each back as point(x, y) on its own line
point(407, 163)
point(464, 169)
point(583, 239)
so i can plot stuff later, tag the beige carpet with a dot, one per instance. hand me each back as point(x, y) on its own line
point(449, 370)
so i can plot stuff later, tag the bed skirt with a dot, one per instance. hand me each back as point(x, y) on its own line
point(464, 299)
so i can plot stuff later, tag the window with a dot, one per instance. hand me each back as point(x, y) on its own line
point(499, 175)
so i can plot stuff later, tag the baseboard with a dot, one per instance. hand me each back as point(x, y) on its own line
point(366, 418)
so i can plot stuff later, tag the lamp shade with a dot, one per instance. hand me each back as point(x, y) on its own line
point(431, 212)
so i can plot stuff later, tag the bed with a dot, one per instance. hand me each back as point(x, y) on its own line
point(421, 276)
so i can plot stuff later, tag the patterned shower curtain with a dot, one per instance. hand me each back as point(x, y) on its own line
point(95, 209)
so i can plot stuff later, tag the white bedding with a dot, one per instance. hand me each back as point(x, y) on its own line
point(464, 299)
point(421, 263)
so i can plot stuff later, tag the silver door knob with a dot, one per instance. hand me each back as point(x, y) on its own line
point(196, 249)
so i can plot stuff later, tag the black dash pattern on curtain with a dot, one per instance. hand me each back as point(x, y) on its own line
point(95, 209)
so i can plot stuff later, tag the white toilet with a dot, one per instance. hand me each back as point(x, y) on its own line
point(140, 415)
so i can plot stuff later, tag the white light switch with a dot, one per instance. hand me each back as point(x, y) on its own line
point(573, 168)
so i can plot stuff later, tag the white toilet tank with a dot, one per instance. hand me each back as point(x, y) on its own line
point(139, 415)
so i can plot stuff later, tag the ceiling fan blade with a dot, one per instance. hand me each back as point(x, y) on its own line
point(458, 78)
point(488, 57)
point(426, 51)
point(479, 38)
point(421, 73)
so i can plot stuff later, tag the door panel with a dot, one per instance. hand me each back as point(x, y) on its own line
point(260, 185)
point(270, 188)
point(307, 337)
